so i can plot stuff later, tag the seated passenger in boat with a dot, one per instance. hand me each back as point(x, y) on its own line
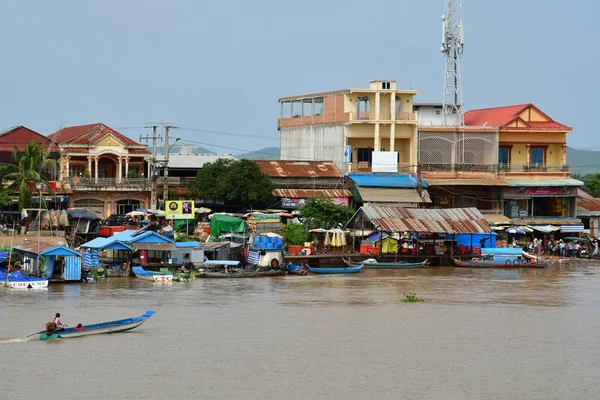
point(79, 327)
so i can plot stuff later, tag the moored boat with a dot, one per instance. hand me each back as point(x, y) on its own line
point(503, 258)
point(17, 280)
point(294, 269)
point(343, 270)
point(374, 264)
point(121, 325)
point(151, 275)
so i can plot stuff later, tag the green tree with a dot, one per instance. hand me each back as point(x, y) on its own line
point(236, 181)
point(295, 234)
point(28, 170)
point(324, 213)
point(593, 184)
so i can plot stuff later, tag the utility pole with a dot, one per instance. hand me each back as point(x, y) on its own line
point(152, 166)
point(166, 177)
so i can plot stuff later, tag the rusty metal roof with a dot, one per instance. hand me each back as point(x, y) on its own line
point(589, 204)
point(449, 220)
point(306, 193)
point(298, 169)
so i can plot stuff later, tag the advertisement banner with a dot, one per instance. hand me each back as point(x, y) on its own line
point(179, 209)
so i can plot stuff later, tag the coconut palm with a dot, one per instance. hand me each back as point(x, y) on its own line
point(28, 171)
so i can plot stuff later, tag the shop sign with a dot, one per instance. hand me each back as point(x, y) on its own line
point(290, 203)
point(561, 191)
point(179, 209)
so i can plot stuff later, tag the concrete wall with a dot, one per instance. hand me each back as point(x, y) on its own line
point(428, 116)
point(314, 143)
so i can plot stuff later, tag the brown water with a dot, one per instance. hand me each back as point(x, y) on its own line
point(493, 334)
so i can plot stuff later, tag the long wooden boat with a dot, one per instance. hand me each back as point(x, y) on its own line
point(367, 264)
point(494, 264)
point(151, 275)
point(343, 270)
point(121, 325)
point(240, 274)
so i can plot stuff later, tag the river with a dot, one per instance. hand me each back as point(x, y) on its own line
point(493, 334)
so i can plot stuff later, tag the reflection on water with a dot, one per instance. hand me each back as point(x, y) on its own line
point(519, 334)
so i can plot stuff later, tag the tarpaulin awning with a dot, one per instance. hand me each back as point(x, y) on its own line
point(226, 223)
point(391, 195)
point(544, 182)
point(571, 228)
point(546, 228)
point(386, 180)
point(496, 218)
point(154, 246)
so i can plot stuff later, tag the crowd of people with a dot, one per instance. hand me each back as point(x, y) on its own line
point(571, 248)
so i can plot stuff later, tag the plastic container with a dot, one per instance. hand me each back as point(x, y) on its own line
point(294, 249)
point(364, 249)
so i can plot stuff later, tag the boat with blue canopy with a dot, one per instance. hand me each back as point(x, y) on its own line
point(503, 257)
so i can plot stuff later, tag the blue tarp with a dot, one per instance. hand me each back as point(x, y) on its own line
point(386, 180)
point(465, 239)
point(186, 244)
point(515, 251)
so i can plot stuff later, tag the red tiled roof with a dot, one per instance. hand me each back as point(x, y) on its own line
point(19, 136)
point(87, 134)
point(298, 169)
point(502, 116)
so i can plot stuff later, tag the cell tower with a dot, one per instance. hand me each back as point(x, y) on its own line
point(452, 47)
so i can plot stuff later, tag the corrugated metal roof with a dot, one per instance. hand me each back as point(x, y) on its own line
point(306, 193)
point(179, 160)
point(465, 182)
point(392, 195)
point(449, 220)
point(385, 180)
point(544, 182)
point(298, 169)
point(589, 204)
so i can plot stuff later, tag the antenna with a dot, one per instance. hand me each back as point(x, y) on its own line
point(452, 47)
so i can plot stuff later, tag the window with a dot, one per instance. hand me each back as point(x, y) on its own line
point(126, 206)
point(77, 170)
point(364, 155)
point(438, 112)
point(537, 155)
point(385, 85)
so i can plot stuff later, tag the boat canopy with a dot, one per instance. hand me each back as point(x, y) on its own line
point(505, 251)
point(221, 262)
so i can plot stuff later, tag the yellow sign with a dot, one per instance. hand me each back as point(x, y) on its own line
point(179, 209)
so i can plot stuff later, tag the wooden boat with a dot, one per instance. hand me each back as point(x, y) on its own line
point(121, 325)
point(373, 264)
point(493, 264)
point(230, 272)
point(294, 269)
point(343, 270)
point(17, 280)
point(151, 275)
point(503, 258)
point(178, 276)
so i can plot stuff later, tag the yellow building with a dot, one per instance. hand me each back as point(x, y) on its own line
point(103, 170)
point(360, 130)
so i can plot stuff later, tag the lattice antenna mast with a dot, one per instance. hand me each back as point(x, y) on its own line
point(452, 47)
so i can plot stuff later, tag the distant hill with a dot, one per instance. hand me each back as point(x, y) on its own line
point(268, 153)
point(583, 161)
point(187, 148)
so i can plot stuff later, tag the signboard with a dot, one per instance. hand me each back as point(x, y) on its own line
point(179, 209)
point(385, 161)
point(542, 191)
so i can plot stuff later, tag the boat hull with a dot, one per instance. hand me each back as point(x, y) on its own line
point(117, 326)
point(388, 265)
point(492, 264)
point(346, 270)
point(21, 281)
point(151, 276)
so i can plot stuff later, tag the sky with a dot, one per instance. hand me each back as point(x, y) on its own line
point(215, 68)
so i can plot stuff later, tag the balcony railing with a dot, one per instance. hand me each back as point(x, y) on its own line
point(366, 167)
point(136, 184)
point(383, 116)
point(442, 167)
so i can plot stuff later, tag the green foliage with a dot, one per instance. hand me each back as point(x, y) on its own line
point(411, 298)
point(29, 168)
point(295, 234)
point(133, 173)
point(593, 184)
point(324, 213)
point(183, 237)
point(236, 181)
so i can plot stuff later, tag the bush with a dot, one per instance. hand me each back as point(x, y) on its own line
point(295, 234)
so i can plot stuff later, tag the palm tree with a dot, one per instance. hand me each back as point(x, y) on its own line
point(28, 171)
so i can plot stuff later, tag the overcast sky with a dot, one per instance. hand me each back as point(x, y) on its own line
point(222, 65)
